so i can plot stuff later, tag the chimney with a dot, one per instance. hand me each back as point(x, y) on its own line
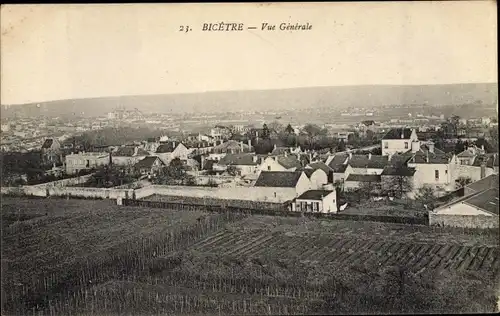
point(255, 158)
point(241, 145)
point(482, 148)
point(249, 143)
point(431, 147)
point(173, 144)
point(369, 156)
point(274, 147)
point(350, 155)
point(135, 150)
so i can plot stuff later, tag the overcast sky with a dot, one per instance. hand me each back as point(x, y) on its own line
point(51, 52)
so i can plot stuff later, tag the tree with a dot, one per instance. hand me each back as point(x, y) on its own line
point(493, 134)
point(231, 170)
point(398, 184)
point(289, 129)
point(276, 126)
point(341, 146)
point(369, 188)
point(460, 146)
point(462, 181)
point(426, 197)
point(265, 132)
point(313, 132)
point(175, 173)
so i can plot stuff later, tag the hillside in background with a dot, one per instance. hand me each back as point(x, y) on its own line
point(298, 98)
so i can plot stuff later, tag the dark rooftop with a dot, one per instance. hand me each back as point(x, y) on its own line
point(486, 200)
point(364, 178)
point(147, 162)
point(47, 143)
point(278, 179)
point(239, 159)
point(486, 183)
point(401, 171)
point(395, 133)
point(366, 161)
point(314, 195)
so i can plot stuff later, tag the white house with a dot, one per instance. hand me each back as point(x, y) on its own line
point(367, 164)
point(478, 210)
point(432, 168)
point(398, 140)
point(85, 161)
point(284, 185)
point(317, 177)
point(170, 150)
point(281, 163)
point(247, 164)
point(316, 201)
point(128, 155)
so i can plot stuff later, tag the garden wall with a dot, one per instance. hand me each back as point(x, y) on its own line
point(263, 194)
point(65, 182)
point(467, 221)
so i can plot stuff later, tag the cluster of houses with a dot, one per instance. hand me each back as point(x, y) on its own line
point(307, 177)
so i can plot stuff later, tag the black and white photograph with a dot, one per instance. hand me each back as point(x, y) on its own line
point(287, 158)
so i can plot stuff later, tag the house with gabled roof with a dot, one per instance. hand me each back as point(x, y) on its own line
point(150, 165)
point(479, 209)
point(283, 184)
point(128, 155)
point(51, 152)
point(355, 181)
point(316, 201)
point(367, 164)
point(247, 164)
point(398, 140)
point(284, 162)
point(173, 149)
point(316, 175)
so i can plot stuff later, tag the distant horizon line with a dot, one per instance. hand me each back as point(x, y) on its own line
point(245, 90)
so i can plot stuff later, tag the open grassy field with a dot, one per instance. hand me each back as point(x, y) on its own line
point(86, 257)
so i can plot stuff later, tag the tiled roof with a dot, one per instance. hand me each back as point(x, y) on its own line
point(394, 171)
point(231, 145)
point(336, 160)
point(468, 153)
point(146, 162)
point(278, 179)
point(486, 200)
point(340, 169)
point(364, 178)
point(314, 195)
point(320, 165)
point(280, 151)
point(486, 183)
point(242, 159)
point(48, 143)
point(401, 158)
point(289, 161)
point(395, 133)
point(364, 161)
point(436, 157)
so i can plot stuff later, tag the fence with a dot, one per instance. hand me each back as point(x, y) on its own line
point(280, 210)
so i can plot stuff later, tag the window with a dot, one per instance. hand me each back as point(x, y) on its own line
point(315, 206)
point(436, 174)
point(446, 171)
point(268, 168)
point(386, 145)
point(406, 145)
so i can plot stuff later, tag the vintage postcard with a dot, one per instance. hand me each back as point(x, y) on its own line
point(249, 159)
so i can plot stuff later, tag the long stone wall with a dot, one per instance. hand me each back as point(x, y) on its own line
point(466, 221)
point(64, 182)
